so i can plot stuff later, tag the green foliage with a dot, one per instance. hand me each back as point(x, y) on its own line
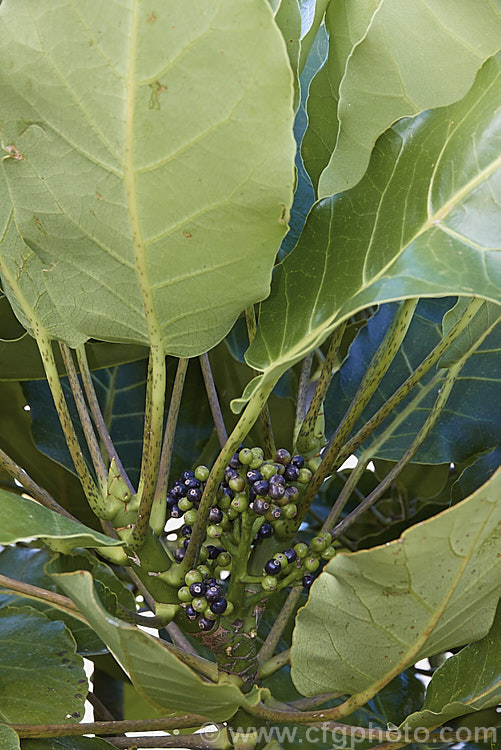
point(159, 172)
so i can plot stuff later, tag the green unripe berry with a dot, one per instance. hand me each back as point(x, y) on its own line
point(281, 559)
point(240, 502)
point(224, 559)
point(199, 604)
point(224, 502)
point(214, 531)
point(328, 553)
point(229, 609)
point(204, 569)
point(314, 463)
point(269, 583)
point(202, 473)
point(245, 456)
point(268, 470)
point(232, 513)
point(193, 576)
point(305, 476)
point(184, 504)
point(184, 594)
point(190, 517)
point(203, 554)
point(301, 549)
point(311, 564)
point(258, 452)
point(320, 542)
point(273, 514)
point(237, 484)
point(289, 510)
point(256, 462)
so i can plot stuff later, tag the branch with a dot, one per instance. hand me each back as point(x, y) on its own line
point(267, 668)
point(185, 721)
point(90, 436)
point(98, 417)
point(268, 439)
point(159, 508)
point(302, 395)
point(35, 592)
point(199, 741)
point(215, 407)
point(273, 637)
point(31, 487)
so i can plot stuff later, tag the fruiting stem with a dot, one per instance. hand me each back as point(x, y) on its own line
point(241, 430)
point(88, 430)
point(98, 417)
point(302, 395)
point(215, 407)
point(158, 509)
point(278, 627)
point(168, 723)
point(31, 487)
point(266, 426)
point(307, 429)
point(378, 367)
point(411, 381)
point(272, 665)
point(345, 494)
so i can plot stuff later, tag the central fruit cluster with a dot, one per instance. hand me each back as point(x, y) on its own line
point(255, 496)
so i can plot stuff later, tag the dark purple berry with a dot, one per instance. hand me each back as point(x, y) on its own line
point(213, 551)
point(191, 614)
point(291, 473)
point(228, 491)
point(277, 479)
point(252, 494)
point(230, 473)
point(272, 567)
point(186, 530)
point(253, 475)
point(185, 543)
point(212, 593)
point(260, 487)
point(276, 491)
point(290, 554)
point(194, 494)
point(265, 531)
point(188, 474)
point(179, 554)
point(171, 500)
point(290, 493)
point(260, 506)
point(205, 624)
point(219, 606)
point(297, 461)
point(211, 581)
point(234, 461)
point(179, 490)
point(192, 483)
point(308, 580)
point(282, 456)
point(176, 512)
point(197, 589)
point(215, 515)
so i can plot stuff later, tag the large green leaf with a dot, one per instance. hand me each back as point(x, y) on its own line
point(412, 227)
point(20, 358)
point(155, 672)
point(467, 682)
point(43, 680)
point(435, 588)
point(25, 519)
point(143, 145)
point(471, 421)
point(8, 738)
point(387, 60)
point(26, 564)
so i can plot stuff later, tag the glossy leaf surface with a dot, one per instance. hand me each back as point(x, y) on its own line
point(155, 672)
point(389, 60)
point(25, 519)
point(412, 227)
point(51, 686)
point(401, 610)
point(468, 681)
point(145, 169)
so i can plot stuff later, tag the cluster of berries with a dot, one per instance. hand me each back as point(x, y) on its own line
point(263, 491)
point(300, 558)
point(203, 599)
